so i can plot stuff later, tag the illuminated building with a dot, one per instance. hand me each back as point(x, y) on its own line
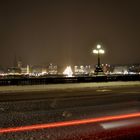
point(80, 70)
point(14, 71)
point(68, 71)
point(25, 70)
point(52, 69)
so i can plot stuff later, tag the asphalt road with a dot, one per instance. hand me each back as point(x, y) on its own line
point(29, 108)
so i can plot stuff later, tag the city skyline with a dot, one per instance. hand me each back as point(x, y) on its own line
point(65, 33)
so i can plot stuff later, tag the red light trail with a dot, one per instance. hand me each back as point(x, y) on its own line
point(68, 123)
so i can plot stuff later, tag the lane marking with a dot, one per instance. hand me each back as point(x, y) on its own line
point(68, 123)
point(103, 90)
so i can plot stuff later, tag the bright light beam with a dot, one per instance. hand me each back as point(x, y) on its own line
point(68, 123)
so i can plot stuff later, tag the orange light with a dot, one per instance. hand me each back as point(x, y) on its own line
point(68, 123)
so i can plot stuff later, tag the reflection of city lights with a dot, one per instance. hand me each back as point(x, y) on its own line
point(43, 73)
point(68, 71)
point(125, 72)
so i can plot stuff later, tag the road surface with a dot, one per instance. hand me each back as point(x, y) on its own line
point(51, 114)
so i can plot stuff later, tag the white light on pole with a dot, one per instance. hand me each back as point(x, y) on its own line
point(101, 51)
point(98, 46)
point(95, 51)
point(98, 51)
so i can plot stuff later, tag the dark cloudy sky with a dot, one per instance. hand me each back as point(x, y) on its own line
point(65, 32)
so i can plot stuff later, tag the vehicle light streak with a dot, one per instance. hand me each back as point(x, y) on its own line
point(68, 123)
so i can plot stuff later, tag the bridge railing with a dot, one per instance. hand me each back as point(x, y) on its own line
point(58, 80)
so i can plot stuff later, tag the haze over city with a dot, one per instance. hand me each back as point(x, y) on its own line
point(65, 32)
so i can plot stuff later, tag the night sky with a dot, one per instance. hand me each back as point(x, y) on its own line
point(65, 32)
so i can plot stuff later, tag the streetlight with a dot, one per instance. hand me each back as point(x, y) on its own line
point(98, 51)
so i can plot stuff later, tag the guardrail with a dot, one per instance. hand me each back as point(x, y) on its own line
point(58, 80)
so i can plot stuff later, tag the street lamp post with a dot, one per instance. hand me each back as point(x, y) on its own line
point(98, 51)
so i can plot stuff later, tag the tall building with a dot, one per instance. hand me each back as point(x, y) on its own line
point(19, 64)
point(79, 70)
point(52, 69)
point(25, 70)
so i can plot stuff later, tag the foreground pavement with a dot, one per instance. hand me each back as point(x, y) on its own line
point(99, 108)
point(49, 87)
